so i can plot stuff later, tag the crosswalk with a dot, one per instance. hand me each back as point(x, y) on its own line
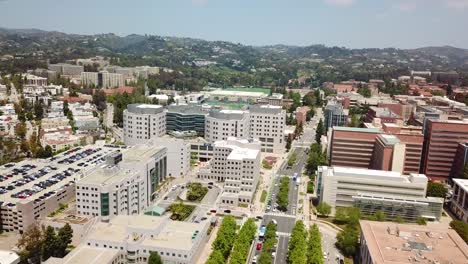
point(283, 234)
point(282, 214)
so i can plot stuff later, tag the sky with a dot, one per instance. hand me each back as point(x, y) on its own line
point(344, 23)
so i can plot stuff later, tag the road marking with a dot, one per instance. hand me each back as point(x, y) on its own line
point(283, 234)
point(281, 214)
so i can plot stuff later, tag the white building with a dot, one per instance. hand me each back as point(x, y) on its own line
point(142, 122)
point(267, 123)
point(237, 163)
point(67, 69)
point(376, 190)
point(130, 239)
point(125, 186)
point(178, 155)
point(222, 124)
point(35, 80)
point(235, 96)
point(459, 202)
point(9, 257)
point(59, 138)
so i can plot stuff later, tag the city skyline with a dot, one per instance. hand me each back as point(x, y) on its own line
point(346, 23)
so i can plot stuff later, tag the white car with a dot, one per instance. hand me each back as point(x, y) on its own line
point(273, 254)
point(254, 260)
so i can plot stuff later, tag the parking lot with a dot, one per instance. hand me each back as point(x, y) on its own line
point(36, 179)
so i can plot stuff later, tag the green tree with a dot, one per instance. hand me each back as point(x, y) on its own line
point(240, 249)
point(21, 130)
point(465, 171)
point(314, 255)
point(435, 189)
point(225, 237)
point(99, 99)
point(154, 258)
point(288, 143)
point(399, 219)
point(38, 110)
point(298, 244)
point(379, 216)
point(347, 241)
point(64, 238)
point(324, 209)
point(65, 108)
point(49, 244)
point(320, 131)
point(461, 228)
point(421, 221)
point(30, 244)
point(48, 152)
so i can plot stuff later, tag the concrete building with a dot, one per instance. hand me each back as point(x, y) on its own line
point(34, 80)
point(222, 124)
point(178, 155)
point(67, 69)
point(143, 122)
point(9, 257)
point(59, 138)
point(267, 124)
point(461, 161)
point(102, 79)
point(375, 190)
point(459, 201)
point(335, 115)
point(391, 243)
point(384, 114)
point(246, 95)
point(130, 239)
point(441, 142)
point(32, 189)
point(125, 186)
point(237, 163)
point(186, 118)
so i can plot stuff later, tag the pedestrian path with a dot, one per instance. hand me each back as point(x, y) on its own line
point(281, 214)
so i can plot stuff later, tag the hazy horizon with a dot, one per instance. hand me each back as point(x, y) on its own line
point(402, 24)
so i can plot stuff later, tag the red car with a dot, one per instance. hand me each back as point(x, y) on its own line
point(259, 246)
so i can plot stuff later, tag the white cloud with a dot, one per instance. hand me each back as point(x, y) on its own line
point(340, 2)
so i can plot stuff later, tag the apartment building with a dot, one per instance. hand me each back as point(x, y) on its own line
point(67, 69)
point(182, 118)
point(143, 122)
point(335, 115)
point(130, 239)
point(237, 163)
point(376, 190)
point(102, 79)
point(267, 124)
point(459, 201)
point(442, 138)
point(389, 243)
point(222, 124)
point(125, 186)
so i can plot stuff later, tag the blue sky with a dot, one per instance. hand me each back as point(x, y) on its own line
point(349, 23)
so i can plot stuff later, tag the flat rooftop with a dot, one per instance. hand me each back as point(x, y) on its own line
point(86, 254)
point(391, 243)
point(357, 129)
point(462, 183)
point(239, 153)
point(165, 232)
point(34, 179)
point(337, 171)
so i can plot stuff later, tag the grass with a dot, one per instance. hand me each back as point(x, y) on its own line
point(348, 260)
point(264, 196)
point(180, 211)
point(62, 208)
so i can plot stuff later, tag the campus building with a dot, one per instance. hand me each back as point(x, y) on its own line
point(335, 115)
point(237, 163)
point(130, 239)
point(441, 142)
point(142, 122)
point(390, 243)
point(125, 186)
point(178, 155)
point(182, 118)
point(102, 79)
point(376, 190)
point(222, 124)
point(459, 202)
point(267, 124)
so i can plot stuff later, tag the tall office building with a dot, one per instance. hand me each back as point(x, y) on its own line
point(461, 161)
point(178, 155)
point(125, 186)
point(237, 163)
point(267, 124)
point(183, 118)
point(335, 115)
point(143, 122)
point(441, 142)
point(222, 124)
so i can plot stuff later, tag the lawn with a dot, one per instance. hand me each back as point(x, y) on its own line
point(196, 192)
point(180, 211)
point(264, 196)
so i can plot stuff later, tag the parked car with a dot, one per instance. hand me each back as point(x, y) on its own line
point(259, 245)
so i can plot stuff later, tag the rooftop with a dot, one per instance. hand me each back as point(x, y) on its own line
point(144, 108)
point(85, 254)
point(337, 171)
point(462, 183)
point(390, 243)
point(357, 129)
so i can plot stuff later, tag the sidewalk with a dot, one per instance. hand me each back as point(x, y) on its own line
point(205, 254)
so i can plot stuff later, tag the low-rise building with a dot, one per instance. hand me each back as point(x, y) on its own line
point(390, 243)
point(376, 190)
point(183, 118)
